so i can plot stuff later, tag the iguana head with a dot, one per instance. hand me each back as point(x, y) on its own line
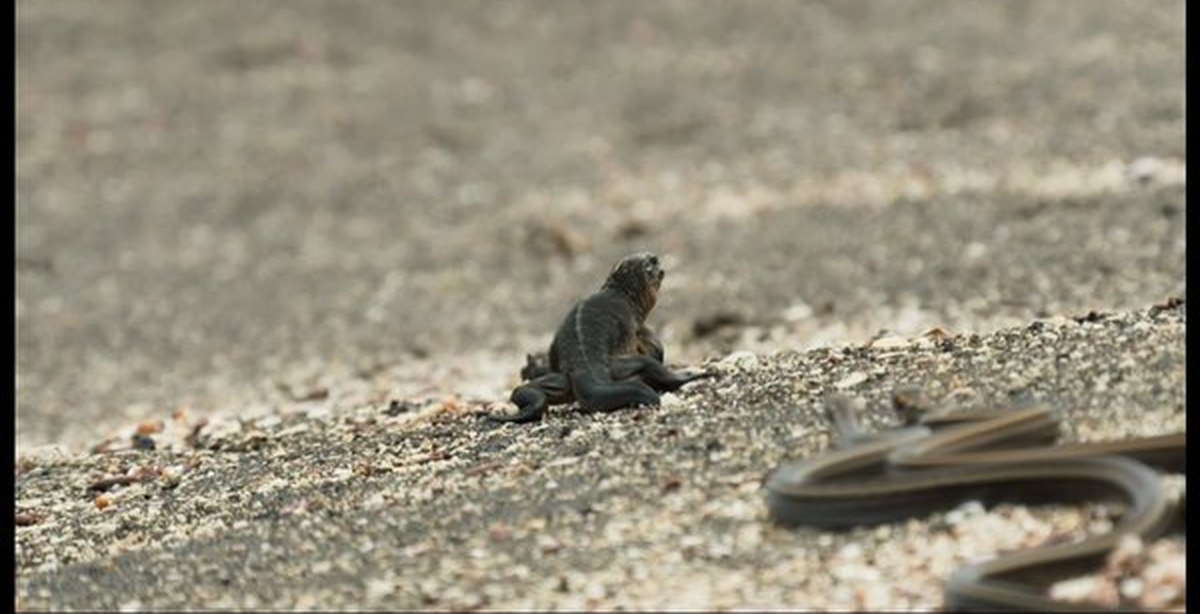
point(638, 276)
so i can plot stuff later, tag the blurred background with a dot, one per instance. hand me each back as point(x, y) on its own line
point(231, 207)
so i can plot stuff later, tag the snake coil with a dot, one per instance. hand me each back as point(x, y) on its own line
point(991, 457)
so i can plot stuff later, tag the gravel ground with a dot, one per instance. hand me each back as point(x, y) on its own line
point(429, 505)
point(329, 233)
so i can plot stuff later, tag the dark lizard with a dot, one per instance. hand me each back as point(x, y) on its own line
point(603, 354)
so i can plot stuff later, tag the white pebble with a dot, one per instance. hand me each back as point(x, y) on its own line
point(1074, 590)
point(891, 343)
point(798, 311)
point(851, 551)
point(743, 359)
point(1132, 588)
point(851, 380)
point(377, 588)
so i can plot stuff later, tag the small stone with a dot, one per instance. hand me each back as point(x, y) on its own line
point(742, 359)
point(172, 475)
point(672, 483)
point(851, 380)
point(267, 422)
point(891, 343)
point(25, 519)
point(851, 551)
point(142, 442)
point(149, 427)
point(378, 588)
point(1132, 588)
point(295, 429)
point(548, 544)
point(103, 500)
point(499, 533)
point(798, 311)
point(975, 251)
point(1074, 590)
point(1128, 552)
point(937, 333)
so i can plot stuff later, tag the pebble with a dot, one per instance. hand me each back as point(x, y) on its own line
point(378, 588)
point(103, 501)
point(669, 400)
point(851, 380)
point(797, 311)
point(741, 359)
point(1085, 589)
point(1132, 588)
point(891, 343)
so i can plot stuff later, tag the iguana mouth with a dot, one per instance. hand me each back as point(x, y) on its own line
point(654, 274)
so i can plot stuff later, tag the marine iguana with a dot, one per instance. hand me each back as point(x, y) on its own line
point(603, 354)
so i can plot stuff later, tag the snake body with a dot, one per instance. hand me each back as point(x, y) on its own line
point(991, 457)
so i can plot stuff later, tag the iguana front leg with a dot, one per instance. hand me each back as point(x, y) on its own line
point(648, 344)
point(533, 397)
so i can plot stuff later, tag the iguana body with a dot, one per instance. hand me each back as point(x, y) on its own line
point(603, 354)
